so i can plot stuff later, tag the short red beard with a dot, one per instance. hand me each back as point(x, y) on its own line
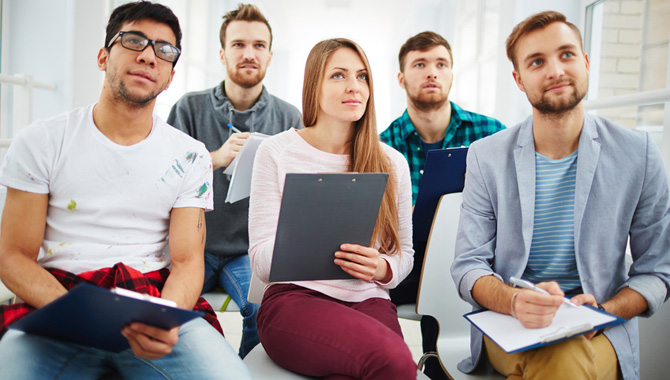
point(428, 102)
point(244, 80)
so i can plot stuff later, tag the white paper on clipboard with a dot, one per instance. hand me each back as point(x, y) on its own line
point(241, 168)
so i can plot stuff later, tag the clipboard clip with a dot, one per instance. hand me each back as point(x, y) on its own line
point(143, 297)
point(563, 332)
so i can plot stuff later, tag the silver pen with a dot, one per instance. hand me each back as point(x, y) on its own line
point(234, 129)
point(529, 285)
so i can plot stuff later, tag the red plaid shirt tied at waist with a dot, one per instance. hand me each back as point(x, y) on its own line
point(120, 276)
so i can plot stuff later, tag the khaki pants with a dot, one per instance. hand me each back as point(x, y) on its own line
point(576, 358)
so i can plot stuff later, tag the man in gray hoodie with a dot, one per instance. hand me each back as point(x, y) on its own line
point(242, 102)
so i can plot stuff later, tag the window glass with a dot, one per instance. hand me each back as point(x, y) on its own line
point(628, 46)
point(627, 42)
point(1, 6)
point(476, 55)
point(647, 118)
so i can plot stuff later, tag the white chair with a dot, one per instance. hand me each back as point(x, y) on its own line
point(654, 344)
point(256, 289)
point(439, 298)
point(220, 300)
point(408, 311)
point(262, 367)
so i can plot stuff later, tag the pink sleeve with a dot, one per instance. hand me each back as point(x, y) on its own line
point(401, 262)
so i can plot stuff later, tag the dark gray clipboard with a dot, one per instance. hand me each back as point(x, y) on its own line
point(443, 173)
point(318, 213)
point(94, 316)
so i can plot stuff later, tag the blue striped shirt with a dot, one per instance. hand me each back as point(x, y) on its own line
point(552, 250)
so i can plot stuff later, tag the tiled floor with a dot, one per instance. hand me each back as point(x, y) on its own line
point(232, 327)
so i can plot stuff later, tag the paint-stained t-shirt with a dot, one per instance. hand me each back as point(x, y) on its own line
point(108, 203)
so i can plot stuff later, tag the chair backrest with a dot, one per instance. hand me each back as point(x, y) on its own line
point(654, 344)
point(438, 296)
point(256, 289)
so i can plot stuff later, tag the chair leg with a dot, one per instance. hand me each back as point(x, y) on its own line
point(225, 304)
point(424, 357)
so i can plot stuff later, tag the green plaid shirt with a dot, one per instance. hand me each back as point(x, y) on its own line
point(464, 128)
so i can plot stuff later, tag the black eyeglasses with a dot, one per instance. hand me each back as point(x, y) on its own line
point(137, 42)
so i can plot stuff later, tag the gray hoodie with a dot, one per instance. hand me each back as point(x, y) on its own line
point(205, 115)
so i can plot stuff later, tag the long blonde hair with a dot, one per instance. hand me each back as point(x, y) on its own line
point(367, 155)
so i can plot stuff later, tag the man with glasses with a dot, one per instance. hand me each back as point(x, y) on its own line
point(99, 189)
point(138, 42)
point(241, 102)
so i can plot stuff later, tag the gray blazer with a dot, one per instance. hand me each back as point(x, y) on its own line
point(621, 192)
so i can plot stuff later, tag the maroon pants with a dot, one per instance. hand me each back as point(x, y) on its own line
point(310, 333)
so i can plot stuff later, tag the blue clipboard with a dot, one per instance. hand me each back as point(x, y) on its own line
point(93, 316)
point(512, 337)
point(443, 173)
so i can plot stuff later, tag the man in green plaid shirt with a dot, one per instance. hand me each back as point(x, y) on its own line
point(430, 121)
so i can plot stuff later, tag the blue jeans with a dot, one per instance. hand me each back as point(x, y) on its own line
point(233, 274)
point(201, 353)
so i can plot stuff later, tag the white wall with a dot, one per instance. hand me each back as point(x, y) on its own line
point(69, 34)
point(57, 41)
point(379, 26)
point(511, 104)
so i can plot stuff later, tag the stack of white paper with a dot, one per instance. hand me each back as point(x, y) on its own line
point(511, 336)
point(242, 167)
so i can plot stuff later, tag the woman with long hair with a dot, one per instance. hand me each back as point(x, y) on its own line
point(335, 328)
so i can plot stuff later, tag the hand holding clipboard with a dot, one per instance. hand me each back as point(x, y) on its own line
point(319, 213)
point(508, 333)
point(569, 321)
point(94, 316)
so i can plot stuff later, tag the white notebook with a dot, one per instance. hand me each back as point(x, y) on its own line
point(241, 167)
point(508, 333)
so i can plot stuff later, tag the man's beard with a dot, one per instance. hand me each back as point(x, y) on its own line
point(244, 80)
point(428, 102)
point(135, 101)
point(559, 107)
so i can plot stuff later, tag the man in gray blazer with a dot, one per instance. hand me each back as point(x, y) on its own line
point(554, 200)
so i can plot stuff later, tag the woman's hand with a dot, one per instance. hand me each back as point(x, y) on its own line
point(364, 263)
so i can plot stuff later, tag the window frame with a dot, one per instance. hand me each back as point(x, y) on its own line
point(650, 97)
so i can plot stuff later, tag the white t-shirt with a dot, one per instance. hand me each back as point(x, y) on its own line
point(108, 203)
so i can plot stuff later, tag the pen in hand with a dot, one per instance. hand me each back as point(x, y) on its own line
point(529, 285)
point(234, 129)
